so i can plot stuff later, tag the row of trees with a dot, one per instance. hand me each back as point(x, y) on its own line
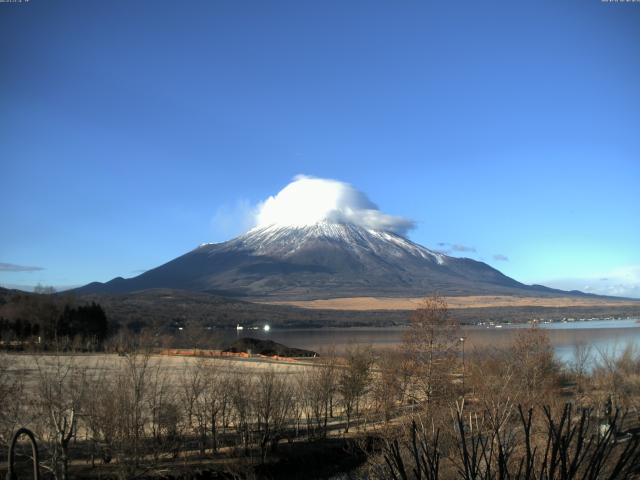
point(137, 411)
point(47, 319)
point(18, 329)
point(520, 444)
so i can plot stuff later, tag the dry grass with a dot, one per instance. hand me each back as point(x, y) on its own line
point(477, 301)
point(26, 365)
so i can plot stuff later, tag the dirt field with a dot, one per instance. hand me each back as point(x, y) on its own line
point(27, 365)
point(410, 303)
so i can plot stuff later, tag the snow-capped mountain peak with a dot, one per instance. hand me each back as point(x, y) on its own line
point(320, 238)
point(286, 240)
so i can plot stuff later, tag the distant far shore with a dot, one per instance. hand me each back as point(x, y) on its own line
point(473, 301)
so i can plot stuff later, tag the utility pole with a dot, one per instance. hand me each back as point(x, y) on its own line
point(462, 339)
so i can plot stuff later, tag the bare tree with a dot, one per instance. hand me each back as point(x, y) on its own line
point(582, 358)
point(242, 392)
point(492, 378)
point(135, 383)
point(431, 343)
point(61, 392)
point(217, 398)
point(534, 363)
point(388, 385)
point(12, 392)
point(44, 289)
point(117, 421)
point(298, 404)
point(310, 400)
point(101, 418)
point(616, 378)
point(273, 396)
point(353, 381)
point(319, 388)
point(196, 402)
point(164, 413)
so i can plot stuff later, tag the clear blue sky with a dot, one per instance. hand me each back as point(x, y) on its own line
point(132, 131)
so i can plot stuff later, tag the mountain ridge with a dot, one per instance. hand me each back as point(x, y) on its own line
point(322, 260)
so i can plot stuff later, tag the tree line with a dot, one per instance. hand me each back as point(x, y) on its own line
point(130, 411)
point(45, 319)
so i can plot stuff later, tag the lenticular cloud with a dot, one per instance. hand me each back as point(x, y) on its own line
point(309, 200)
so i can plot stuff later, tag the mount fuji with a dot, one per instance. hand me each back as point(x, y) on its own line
point(325, 259)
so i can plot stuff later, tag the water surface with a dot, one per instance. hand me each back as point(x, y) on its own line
point(603, 335)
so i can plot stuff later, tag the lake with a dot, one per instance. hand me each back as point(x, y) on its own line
point(602, 335)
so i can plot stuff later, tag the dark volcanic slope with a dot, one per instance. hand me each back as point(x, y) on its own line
point(321, 261)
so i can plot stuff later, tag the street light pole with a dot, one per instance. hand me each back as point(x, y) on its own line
point(462, 339)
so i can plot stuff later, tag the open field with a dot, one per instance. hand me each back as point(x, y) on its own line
point(28, 365)
point(475, 301)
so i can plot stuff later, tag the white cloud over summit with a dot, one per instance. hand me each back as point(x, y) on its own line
point(309, 200)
